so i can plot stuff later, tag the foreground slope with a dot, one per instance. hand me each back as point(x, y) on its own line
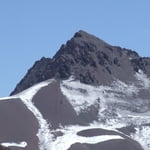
point(17, 123)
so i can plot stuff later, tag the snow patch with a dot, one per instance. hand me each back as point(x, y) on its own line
point(30, 92)
point(144, 81)
point(21, 144)
point(82, 96)
point(142, 135)
point(7, 98)
point(128, 89)
point(70, 137)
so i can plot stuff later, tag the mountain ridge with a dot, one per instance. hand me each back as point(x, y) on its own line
point(89, 59)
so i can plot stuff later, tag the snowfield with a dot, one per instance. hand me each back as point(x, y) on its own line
point(81, 96)
point(143, 136)
point(70, 136)
point(114, 99)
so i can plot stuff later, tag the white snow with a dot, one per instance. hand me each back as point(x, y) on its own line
point(144, 81)
point(63, 143)
point(70, 137)
point(43, 134)
point(78, 99)
point(21, 144)
point(82, 96)
point(89, 95)
point(6, 98)
point(128, 89)
point(142, 135)
point(30, 92)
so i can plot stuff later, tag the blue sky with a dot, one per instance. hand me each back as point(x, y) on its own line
point(30, 29)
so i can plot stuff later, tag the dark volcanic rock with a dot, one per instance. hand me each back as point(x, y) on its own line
point(127, 130)
point(40, 71)
point(142, 64)
point(108, 145)
point(17, 124)
point(96, 132)
point(90, 60)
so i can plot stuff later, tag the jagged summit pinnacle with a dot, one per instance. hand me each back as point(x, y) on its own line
point(81, 37)
point(90, 60)
point(80, 33)
point(88, 37)
point(82, 41)
point(84, 35)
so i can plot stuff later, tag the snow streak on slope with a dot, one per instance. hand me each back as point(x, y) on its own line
point(5, 98)
point(43, 134)
point(82, 96)
point(70, 137)
point(21, 144)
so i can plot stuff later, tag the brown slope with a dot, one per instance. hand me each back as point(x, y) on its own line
point(17, 123)
point(54, 106)
point(108, 145)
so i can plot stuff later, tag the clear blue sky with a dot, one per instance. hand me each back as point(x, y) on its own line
point(30, 29)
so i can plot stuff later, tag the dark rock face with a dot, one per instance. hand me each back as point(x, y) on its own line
point(88, 59)
point(142, 64)
point(125, 144)
point(115, 144)
point(40, 71)
point(96, 132)
point(108, 145)
point(128, 130)
point(17, 124)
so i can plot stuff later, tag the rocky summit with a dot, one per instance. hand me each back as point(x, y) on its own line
point(90, 60)
point(89, 96)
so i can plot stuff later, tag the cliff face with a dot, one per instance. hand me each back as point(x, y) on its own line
point(90, 60)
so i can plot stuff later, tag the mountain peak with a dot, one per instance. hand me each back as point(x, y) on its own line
point(80, 33)
point(90, 60)
point(80, 42)
point(83, 36)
